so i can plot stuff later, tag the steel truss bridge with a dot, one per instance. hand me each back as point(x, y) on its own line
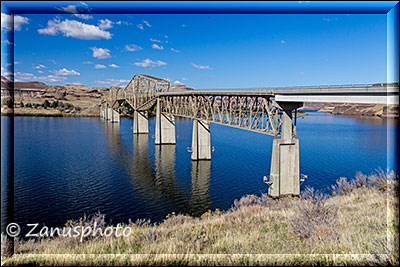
point(271, 111)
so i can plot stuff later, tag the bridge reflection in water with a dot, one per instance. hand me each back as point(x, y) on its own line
point(158, 182)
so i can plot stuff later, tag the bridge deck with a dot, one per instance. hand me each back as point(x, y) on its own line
point(362, 94)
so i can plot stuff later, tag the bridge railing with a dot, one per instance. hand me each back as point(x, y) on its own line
point(254, 113)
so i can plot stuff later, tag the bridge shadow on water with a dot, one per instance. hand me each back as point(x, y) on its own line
point(157, 182)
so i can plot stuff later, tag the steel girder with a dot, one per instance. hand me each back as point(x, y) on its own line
point(255, 113)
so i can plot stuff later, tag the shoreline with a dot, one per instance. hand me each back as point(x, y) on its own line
point(23, 114)
point(305, 230)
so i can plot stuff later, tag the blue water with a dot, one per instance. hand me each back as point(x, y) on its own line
point(67, 167)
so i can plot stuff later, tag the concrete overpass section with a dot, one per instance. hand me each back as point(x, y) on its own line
point(271, 111)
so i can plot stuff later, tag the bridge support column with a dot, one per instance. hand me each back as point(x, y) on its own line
point(101, 112)
point(201, 140)
point(165, 127)
point(108, 113)
point(140, 123)
point(285, 162)
point(114, 116)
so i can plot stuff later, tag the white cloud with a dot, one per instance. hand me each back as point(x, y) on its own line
point(6, 73)
point(99, 66)
point(88, 62)
point(146, 23)
point(83, 16)
point(155, 40)
point(158, 47)
point(132, 48)
point(8, 42)
point(105, 24)
point(65, 72)
point(40, 66)
point(76, 83)
point(201, 67)
point(166, 36)
point(51, 78)
point(301, 73)
point(183, 25)
point(112, 82)
point(283, 42)
point(114, 66)
point(140, 26)
point(100, 53)
point(21, 76)
point(326, 19)
point(150, 63)
point(53, 61)
point(175, 50)
point(177, 82)
point(7, 22)
point(73, 10)
point(75, 29)
point(185, 79)
point(40, 71)
point(69, 9)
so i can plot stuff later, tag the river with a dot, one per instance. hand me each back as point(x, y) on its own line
point(67, 167)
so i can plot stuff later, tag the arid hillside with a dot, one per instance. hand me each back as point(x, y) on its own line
point(374, 110)
point(36, 98)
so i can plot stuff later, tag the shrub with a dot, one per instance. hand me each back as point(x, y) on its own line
point(379, 180)
point(315, 218)
point(342, 187)
point(21, 104)
point(54, 104)
point(246, 201)
point(9, 103)
point(46, 104)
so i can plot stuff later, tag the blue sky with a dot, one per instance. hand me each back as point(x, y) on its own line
point(201, 51)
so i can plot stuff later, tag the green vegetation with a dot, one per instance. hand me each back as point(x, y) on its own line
point(357, 225)
point(46, 104)
point(63, 108)
point(126, 109)
point(9, 103)
point(54, 104)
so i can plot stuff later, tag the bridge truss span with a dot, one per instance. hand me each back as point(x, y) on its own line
point(255, 113)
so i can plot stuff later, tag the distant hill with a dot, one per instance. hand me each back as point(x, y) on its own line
point(178, 88)
point(6, 84)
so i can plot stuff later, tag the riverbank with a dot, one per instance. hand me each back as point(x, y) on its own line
point(356, 225)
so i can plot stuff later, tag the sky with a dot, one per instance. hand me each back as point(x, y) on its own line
point(201, 51)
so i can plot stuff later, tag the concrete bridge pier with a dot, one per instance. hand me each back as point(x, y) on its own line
point(140, 122)
point(165, 127)
point(114, 116)
point(201, 140)
point(101, 112)
point(109, 113)
point(285, 162)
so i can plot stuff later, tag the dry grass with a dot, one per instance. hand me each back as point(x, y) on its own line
point(358, 225)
